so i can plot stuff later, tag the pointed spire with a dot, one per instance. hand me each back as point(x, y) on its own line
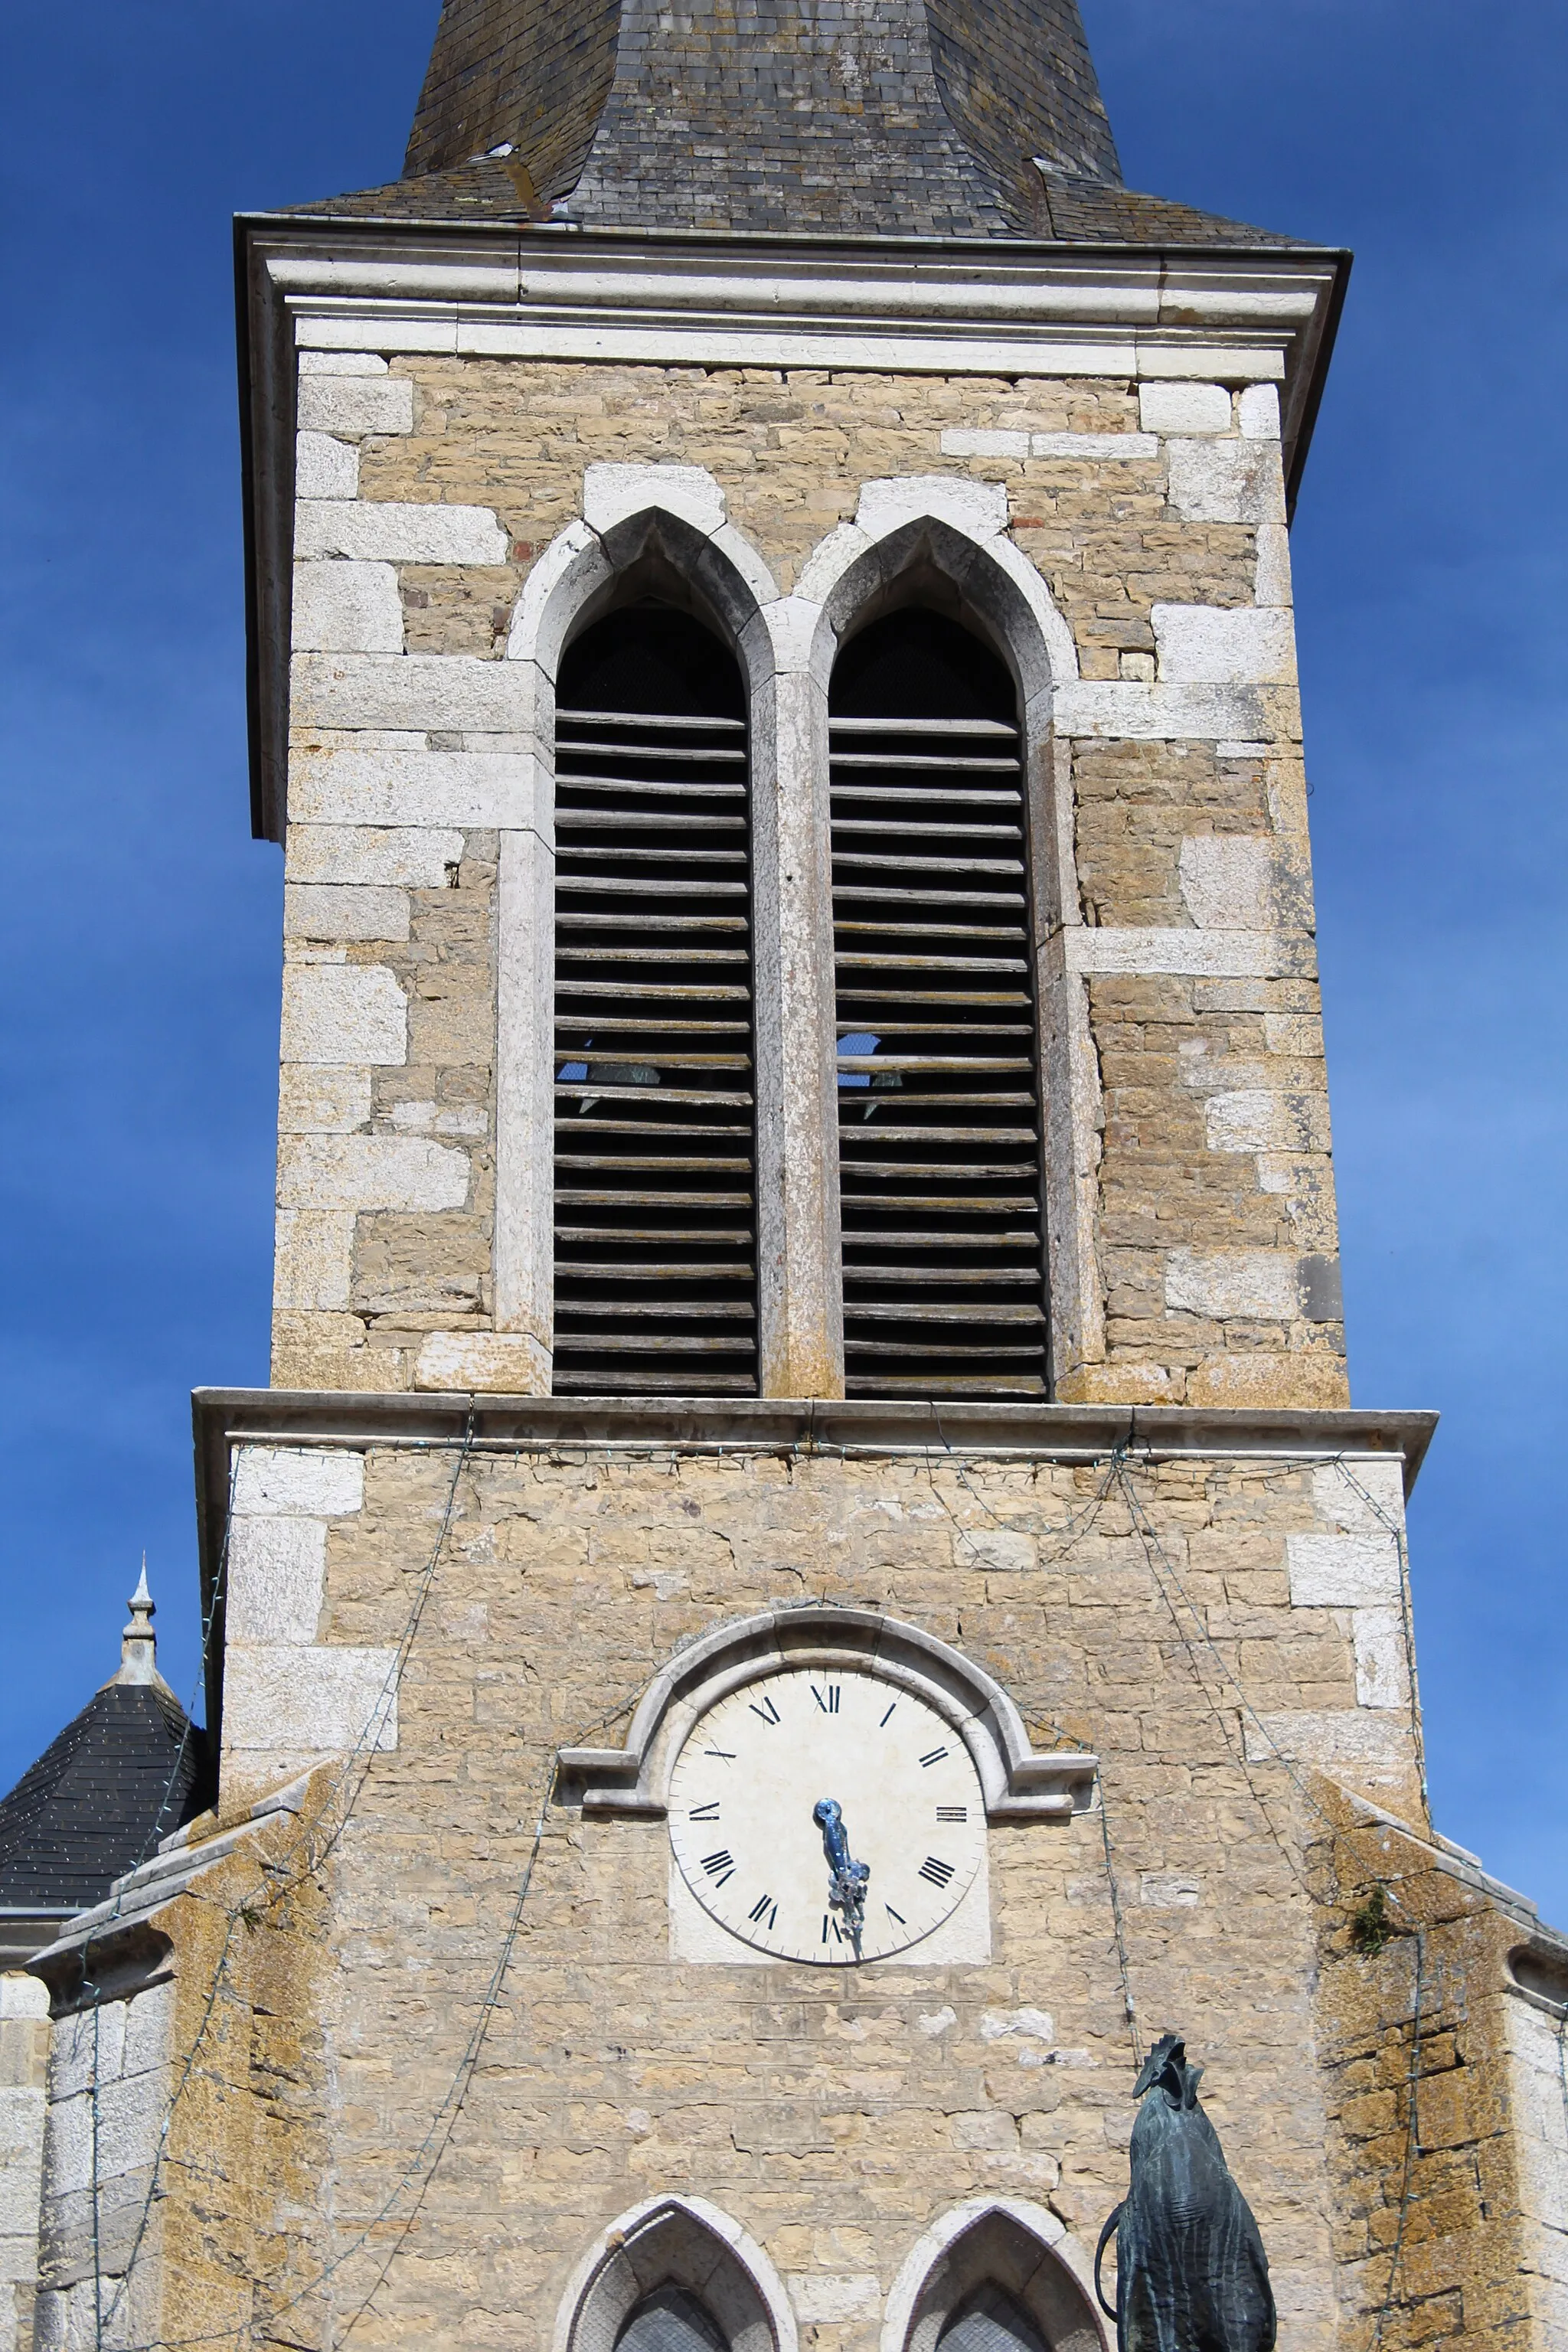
point(138, 1643)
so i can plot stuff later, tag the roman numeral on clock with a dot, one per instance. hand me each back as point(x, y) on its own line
point(935, 1757)
point(720, 1866)
point(829, 1705)
point(766, 1908)
point(767, 1710)
point(710, 1813)
point(943, 1814)
point(936, 1873)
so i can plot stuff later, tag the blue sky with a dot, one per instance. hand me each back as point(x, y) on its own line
point(141, 945)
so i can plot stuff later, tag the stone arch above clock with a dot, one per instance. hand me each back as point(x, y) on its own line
point(1016, 1782)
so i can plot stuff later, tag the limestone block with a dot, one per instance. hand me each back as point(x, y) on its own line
point(1164, 712)
point(977, 509)
point(1380, 1679)
point(1373, 1744)
point(407, 857)
point(1272, 579)
point(393, 532)
point(1226, 481)
point(342, 911)
point(441, 1118)
point(1254, 1119)
point(350, 608)
point(817, 2296)
point(317, 1699)
point(335, 1013)
point(1343, 1571)
point(612, 493)
point(325, 469)
point(1011, 1554)
point(370, 1171)
point(1184, 408)
point(1226, 880)
point(1113, 947)
point(351, 406)
point(414, 788)
point(423, 693)
point(22, 1997)
point(315, 1099)
point(959, 441)
point(78, 2051)
point(1169, 1890)
point(1120, 447)
point(313, 1259)
point(277, 1572)
point(509, 1364)
point(149, 2016)
point(1258, 412)
point(314, 1482)
point(1266, 1380)
point(1207, 645)
point(1017, 2024)
point(21, 2149)
point(1364, 1496)
point(1256, 1286)
point(342, 363)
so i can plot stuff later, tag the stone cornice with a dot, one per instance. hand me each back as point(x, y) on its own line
point(1242, 312)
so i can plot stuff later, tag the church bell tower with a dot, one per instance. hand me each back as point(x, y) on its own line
point(807, 1585)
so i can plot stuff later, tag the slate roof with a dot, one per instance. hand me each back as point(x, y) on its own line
point(125, 1772)
point(850, 118)
point(1069, 210)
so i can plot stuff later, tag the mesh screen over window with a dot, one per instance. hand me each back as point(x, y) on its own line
point(939, 1115)
point(655, 1120)
point(671, 2321)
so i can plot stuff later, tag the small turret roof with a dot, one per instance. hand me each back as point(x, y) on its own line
point(124, 1773)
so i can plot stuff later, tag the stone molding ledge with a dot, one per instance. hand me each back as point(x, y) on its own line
point(1018, 1784)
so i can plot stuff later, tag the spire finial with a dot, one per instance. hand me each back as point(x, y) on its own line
point(138, 1643)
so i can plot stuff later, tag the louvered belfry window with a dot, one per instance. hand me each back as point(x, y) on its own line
point(655, 1119)
point(939, 1114)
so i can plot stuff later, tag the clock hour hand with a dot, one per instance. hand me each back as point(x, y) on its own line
point(846, 1877)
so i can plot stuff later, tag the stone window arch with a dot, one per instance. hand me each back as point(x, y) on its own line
point(675, 2275)
point(942, 543)
point(654, 1268)
point(648, 533)
point(994, 2275)
point(941, 1161)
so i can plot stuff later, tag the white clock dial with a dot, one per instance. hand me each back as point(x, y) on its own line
point(741, 1819)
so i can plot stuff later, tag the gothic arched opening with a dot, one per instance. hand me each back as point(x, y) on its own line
point(940, 1142)
point(655, 1117)
point(997, 2283)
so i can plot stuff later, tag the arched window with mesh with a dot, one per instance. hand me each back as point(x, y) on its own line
point(655, 1119)
point(940, 1156)
point(672, 2320)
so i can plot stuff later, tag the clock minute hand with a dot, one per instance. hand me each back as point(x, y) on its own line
point(846, 1877)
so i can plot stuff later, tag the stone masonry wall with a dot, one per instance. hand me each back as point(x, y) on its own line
point(1450, 2159)
point(428, 488)
point(1191, 1622)
point(24, 2060)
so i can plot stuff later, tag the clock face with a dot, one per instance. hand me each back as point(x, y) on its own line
point(743, 1821)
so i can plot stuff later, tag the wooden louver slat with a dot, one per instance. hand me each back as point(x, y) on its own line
point(655, 1120)
point(939, 1113)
